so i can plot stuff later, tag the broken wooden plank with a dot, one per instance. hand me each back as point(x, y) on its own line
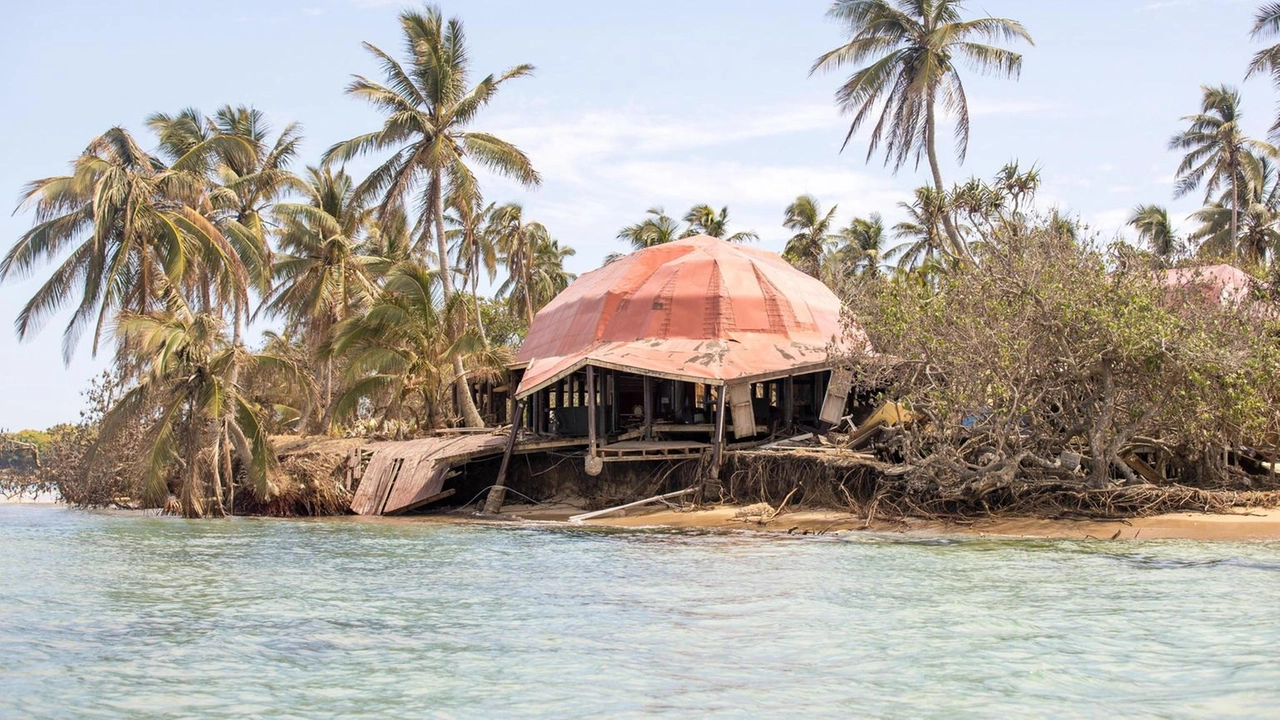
point(637, 503)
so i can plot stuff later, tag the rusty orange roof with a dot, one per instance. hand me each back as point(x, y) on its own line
point(698, 309)
point(1225, 284)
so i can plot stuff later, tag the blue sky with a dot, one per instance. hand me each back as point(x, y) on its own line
point(665, 103)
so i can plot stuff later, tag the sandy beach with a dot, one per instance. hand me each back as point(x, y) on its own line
point(1257, 524)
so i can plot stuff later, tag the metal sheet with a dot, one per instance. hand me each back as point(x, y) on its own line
point(699, 308)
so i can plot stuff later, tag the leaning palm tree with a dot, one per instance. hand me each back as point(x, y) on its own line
point(428, 107)
point(124, 229)
point(197, 415)
point(910, 48)
point(321, 277)
point(703, 220)
point(655, 229)
point(923, 231)
point(807, 248)
point(399, 354)
point(1154, 229)
point(1219, 156)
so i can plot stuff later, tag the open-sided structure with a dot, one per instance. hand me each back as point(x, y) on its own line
point(666, 351)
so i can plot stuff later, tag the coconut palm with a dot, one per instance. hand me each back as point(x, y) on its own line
point(400, 356)
point(1154, 229)
point(428, 106)
point(1266, 25)
point(807, 248)
point(910, 49)
point(196, 414)
point(656, 229)
point(926, 240)
point(123, 225)
point(474, 250)
point(320, 276)
point(1219, 156)
point(864, 242)
point(548, 277)
point(1257, 235)
point(518, 243)
point(703, 220)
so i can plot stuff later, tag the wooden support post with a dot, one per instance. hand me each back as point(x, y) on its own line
point(788, 402)
point(718, 443)
point(591, 410)
point(648, 408)
point(498, 493)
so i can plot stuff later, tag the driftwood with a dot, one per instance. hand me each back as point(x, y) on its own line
point(638, 503)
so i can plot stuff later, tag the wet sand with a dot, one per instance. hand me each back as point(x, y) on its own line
point(1257, 524)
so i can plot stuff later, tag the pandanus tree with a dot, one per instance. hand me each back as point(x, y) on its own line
point(123, 226)
point(320, 276)
point(809, 246)
point(922, 230)
point(907, 54)
point(197, 416)
point(1153, 227)
point(1219, 157)
point(704, 220)
point(429, 105)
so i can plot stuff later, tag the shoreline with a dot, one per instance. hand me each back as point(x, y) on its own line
point(1254, 525)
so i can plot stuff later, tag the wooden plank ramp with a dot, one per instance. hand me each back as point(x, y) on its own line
point(402, 476)
point(633, 450)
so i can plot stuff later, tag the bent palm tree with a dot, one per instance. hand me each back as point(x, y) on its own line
point(1154, 228)
point(703, 220)
point(1219, 156)
point(807, 248)
point(428, 107)
point(198, 413)
point(1266, 24)
point(125, 225)
point(910, 47)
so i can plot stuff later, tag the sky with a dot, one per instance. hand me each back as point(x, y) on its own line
point(664, 103)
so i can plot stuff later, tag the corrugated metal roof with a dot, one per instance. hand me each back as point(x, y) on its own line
point(1225, 284)
point(700, 308)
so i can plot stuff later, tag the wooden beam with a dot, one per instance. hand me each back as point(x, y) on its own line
point(591, 410)
point(648, 408)
point(788, 401)
point(718, 444)
point(498, 493)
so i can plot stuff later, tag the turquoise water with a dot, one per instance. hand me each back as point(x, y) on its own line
point(124, 616)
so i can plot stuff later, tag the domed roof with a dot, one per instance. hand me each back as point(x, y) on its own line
point(699, 309)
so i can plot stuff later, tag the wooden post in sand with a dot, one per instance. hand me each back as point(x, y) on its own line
point(591, 411)
point(648, 408)
point(498, 493)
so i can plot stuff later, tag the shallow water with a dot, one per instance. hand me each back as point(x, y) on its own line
point(125, 616)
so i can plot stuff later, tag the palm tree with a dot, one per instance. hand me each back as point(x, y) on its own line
point(518, 243)
point(197, 414)
point(321, 278)
point(428, 107)
point(656, 229)
point(1266, 24)
point(475, 251)
point(1154, 228)
point(864, 239)
point(125, 224)
point(1259, 217)
point(911, 47)
point(807, 248)
point(922, 228)
point(703, 220)
point(400, 357)
point(548, 277)
point(1219, 156)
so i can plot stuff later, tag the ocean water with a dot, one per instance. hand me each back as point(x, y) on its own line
point(104, 615)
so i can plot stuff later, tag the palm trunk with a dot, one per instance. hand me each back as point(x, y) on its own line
point(470, 416)
point(957, 245)
point(475, 300)
point(1235, 212)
